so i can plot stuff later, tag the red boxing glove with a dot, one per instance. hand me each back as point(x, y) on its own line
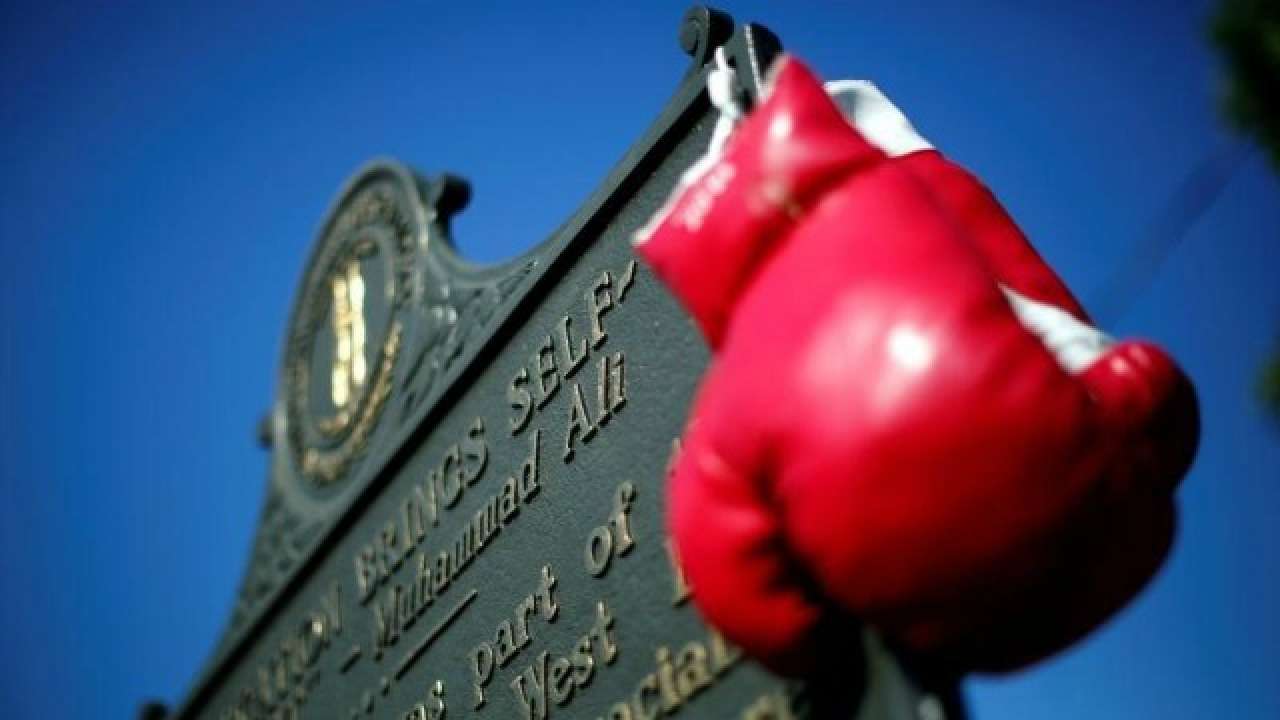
point(908, 418)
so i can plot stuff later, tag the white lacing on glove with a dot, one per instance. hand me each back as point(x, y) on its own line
point(1075, 345)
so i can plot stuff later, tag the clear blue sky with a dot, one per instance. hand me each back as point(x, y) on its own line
point(162, 173)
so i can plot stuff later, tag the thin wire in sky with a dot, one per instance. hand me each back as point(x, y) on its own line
point(1197, 192)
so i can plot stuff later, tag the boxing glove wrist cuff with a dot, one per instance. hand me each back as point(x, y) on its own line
point(876, 118)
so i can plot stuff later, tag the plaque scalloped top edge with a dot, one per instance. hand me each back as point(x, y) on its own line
point(456, 309)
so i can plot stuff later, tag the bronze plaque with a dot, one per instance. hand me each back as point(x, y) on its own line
point(465, 508)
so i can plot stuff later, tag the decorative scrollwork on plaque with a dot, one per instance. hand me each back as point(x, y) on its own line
point(282, 540)
point(452, 312)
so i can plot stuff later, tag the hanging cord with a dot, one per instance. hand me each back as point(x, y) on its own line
point(725, 91)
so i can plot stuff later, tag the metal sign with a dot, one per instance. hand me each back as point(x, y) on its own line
point(465, 509)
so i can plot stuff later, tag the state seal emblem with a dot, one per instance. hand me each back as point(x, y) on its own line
point(347, 330)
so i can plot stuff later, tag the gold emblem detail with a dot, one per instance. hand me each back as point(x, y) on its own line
point(350, 364)
point(348, 331)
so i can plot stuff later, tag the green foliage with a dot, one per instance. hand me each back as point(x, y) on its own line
point(1248, 34)
point(1269, 387)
